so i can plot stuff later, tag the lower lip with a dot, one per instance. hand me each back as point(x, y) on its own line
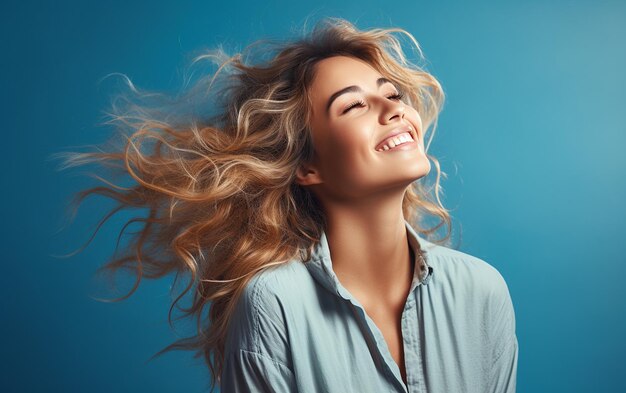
point(405, 146)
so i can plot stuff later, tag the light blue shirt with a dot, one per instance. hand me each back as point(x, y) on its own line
point(297, 329)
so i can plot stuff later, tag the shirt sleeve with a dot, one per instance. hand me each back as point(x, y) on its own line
point(503, 378)
point(257, 353)
point(505, 370)
point(250, 372)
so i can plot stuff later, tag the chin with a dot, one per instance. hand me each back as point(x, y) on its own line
point(408, 173)
point(419, 169)
point(402, 183)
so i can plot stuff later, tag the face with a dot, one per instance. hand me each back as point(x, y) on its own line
point(366, 139)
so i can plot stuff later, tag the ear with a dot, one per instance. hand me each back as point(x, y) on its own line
point(308, 175)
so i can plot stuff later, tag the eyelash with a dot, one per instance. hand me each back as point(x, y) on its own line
point(397, 96)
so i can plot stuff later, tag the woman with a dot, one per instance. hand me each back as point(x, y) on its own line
point(297, 212)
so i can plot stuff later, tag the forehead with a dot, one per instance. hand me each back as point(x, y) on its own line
point(337, 72)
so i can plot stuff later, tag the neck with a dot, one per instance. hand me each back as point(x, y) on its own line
point(369, 247)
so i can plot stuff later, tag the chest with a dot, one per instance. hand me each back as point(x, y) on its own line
point(389, 324)
point(334, 342)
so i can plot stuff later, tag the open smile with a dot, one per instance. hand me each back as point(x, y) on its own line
point(403, 140)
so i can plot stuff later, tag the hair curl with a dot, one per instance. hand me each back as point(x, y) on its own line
point(219, 189)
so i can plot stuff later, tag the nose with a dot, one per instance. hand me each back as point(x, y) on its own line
point(392, 110)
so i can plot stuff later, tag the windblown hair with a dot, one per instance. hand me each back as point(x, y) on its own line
point(219, 191)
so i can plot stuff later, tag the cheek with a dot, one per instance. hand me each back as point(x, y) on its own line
point(348, 155)
point(350, 140)
point(415, 118)
point(340, 150)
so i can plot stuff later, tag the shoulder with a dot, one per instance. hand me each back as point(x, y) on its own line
point(476, 299)
point(475, 289)
point(269, 287)
point(274, 288)
point(260, 316)
point(467, 278)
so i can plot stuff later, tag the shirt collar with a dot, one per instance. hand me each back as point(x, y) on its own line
point(320, 265)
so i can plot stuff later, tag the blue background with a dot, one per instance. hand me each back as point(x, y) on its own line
point(531, 136)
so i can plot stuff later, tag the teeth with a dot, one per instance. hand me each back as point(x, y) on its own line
point(393, 142)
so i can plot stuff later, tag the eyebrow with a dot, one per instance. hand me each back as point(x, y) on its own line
point(349, 89)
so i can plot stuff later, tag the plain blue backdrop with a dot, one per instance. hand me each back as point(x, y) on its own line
point(532, 138)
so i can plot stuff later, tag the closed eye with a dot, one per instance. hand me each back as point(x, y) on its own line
point(353, 105)
point(397, 96)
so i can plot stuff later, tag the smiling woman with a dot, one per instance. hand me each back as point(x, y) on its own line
point(349, 135)
point(298, 215)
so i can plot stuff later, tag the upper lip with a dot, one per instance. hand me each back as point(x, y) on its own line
point(397, 131)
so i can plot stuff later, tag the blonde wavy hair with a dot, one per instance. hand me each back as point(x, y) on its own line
point(219, 189)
